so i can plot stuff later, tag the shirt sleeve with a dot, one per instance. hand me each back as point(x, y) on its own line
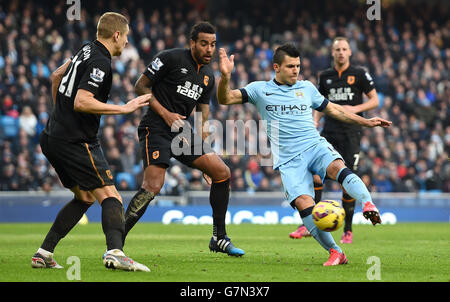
point(95, 75)
point(366, 83)
point(318, 101)
point(159, 66)
point(250, 93)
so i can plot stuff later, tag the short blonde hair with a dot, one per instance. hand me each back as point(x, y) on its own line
point(341, 38)
point(109, 23)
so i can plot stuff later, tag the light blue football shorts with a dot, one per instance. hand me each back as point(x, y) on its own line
point(297, 174)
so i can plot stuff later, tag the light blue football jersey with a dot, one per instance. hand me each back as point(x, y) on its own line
point(287, 111)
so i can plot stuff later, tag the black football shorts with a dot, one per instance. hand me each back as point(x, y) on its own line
point(348, 145)
point(79, 164)
point(159, 147)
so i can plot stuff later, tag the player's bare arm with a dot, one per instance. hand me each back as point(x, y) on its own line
point(204, 109)
point(340, 113)
point(56, 78)
point(86, 102)
point(143, 86)
point(371, 103)
point(225, 95)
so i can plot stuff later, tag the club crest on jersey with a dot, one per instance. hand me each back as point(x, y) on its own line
point(350, 80)
point(298, 94)
point(97, 75)
point(157, 64)
point(155, 154)
point(206, 80)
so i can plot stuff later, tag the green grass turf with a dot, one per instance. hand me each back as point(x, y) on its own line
point(179, 253)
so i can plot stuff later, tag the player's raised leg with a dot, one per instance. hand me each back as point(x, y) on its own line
point(213, 166)
point(355, 187)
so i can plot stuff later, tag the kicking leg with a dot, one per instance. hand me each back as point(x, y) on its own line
point(355, 187)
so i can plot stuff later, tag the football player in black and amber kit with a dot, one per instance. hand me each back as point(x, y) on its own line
point(80, 90)
point(181, 80)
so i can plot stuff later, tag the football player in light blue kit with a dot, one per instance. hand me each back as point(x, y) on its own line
point(298, 150)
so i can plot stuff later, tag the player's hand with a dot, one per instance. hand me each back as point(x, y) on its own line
point(174, 120)
point(378, 122)
point(226, 64)
point(136, 103)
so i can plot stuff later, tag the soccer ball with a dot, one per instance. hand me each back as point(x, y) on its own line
point(328, 215)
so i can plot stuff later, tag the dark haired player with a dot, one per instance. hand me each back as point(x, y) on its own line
point(343, 84)
point(298, 150)
point(80, 89)
point(181, 80)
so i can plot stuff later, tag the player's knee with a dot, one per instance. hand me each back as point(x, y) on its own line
point(334, 168)
point(154, 186)
point(221, 174)
point(85, 197)
point(303, 202)
point(317, 181)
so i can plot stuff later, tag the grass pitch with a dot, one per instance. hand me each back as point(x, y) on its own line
point(406, 252)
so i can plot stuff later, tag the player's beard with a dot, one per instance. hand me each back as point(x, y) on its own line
point(199, 58)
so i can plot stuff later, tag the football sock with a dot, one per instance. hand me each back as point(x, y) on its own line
point(66, 219)
point(324, 238)
point(348, 203)
point(218, 198)
point(136, 208)
point(353, 185)
point(113, 223)
point(318, 188)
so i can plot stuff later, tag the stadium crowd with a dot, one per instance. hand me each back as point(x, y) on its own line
point(407, 53)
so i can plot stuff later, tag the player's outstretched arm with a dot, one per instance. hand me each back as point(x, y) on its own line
point(340, 113)
point(86, 102)
point(225, 95)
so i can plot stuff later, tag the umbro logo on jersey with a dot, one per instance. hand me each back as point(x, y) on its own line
point(183, 70)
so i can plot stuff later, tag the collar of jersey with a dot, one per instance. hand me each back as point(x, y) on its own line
point(286, 87)
point(102, 48)
point(197, 66)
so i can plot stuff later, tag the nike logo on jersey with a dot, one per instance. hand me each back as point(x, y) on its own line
point(268, 93)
